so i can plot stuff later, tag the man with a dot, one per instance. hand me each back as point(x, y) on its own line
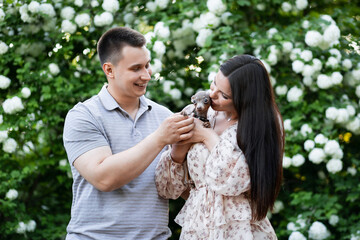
point(113, 141)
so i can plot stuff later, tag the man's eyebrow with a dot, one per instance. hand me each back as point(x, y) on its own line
point(139, 64)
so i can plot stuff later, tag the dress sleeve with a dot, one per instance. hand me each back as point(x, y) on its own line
point(226, 170)
point(169, 177)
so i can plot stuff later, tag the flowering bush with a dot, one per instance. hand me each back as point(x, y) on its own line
point(48, 62)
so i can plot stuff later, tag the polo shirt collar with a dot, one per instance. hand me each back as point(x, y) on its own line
point(110, 103)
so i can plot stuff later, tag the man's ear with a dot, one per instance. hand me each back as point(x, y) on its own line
point(108, 69)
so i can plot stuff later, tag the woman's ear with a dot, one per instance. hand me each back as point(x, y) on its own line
point(108, 69)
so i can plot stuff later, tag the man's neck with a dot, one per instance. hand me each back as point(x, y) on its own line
point(130, 105)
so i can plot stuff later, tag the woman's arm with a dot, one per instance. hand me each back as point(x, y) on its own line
point(169, 177)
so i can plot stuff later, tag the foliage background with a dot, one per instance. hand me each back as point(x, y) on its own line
point(184, 60)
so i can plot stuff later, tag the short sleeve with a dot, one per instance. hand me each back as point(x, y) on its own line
point(227, 172)
point(81, 133)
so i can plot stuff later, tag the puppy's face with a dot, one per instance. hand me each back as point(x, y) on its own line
point(201, 100)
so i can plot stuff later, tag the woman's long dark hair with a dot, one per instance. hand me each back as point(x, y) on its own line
point(260, 129)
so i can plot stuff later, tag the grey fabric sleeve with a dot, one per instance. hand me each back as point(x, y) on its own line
point(81, 134)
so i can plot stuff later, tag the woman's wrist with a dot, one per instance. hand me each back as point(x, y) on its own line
point(211, 139)
point(176, 159)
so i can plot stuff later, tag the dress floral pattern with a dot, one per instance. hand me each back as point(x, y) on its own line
point(218, 206)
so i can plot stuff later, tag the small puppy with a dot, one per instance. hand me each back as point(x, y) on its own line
point(200, 104)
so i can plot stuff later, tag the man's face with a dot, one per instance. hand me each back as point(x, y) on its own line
point(132, 73)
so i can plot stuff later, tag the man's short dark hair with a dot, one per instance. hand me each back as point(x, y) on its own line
point(112, 42)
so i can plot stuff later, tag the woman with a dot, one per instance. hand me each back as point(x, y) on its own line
point(236, 166)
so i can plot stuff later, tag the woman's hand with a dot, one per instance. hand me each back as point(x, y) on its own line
point(179, 151)
point(200, 134)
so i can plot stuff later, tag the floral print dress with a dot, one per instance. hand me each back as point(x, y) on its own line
point(218, 206)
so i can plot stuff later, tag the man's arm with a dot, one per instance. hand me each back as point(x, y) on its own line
point(107, 171)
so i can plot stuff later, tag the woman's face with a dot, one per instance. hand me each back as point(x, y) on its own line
point(220, 94)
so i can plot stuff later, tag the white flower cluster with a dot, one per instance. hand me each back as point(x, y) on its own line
point(325, 82)
point(300, 223)
point(158, 4)
point(25, 92)
point(330, 36)
point(67, 13)
point(26, 227)
point(271, 32)
point(204, 34)
point(281, 90)
point(3, 135)
point(297, 160)
point(216, 6)
point(286, 162)
point(318, 231)
point(183, 37)
point(297, 236)
point(286, 6)
point(355, 236)
point(2, 15)
point(29, 13)
point(294, 94)
point(331, 149)
point(167, 84)
point(161, 30)
point(4, 82)
point(82, 19)
point(299, 5)
point(79, 3)
point(334, 165)
point(12, 105)
point(352, 78)
point(54, 69)
point(333, 220)
point(305, 129)
point(111, 5)
point(24, 14)
point(189, 91)
point(3, 48)
point(162, 4)
point(129, 18)
point(156, 66)
point(33, 49)
point(175, 94)
point(159, 48)
point(47, 9)
point(206, 20)
point(317, 155)
point(104, 19)
point(9, 145)
point(68, 27)
point(274, 55)
point(345, 117)
point(12, 194)
point(278, 206)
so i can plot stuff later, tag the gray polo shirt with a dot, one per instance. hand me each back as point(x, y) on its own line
point(134, 211)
